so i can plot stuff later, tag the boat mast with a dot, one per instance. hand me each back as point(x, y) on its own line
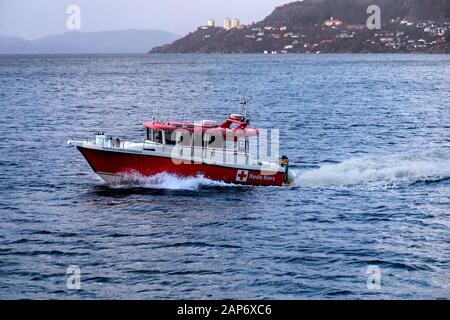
point(244, 107)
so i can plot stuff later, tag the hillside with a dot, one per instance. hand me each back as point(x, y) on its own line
point(126, 41)
point(299, 27)
point(310, 12)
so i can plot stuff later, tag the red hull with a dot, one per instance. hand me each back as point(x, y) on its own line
point(114, 163)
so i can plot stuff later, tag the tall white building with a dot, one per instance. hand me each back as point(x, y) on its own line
point(211, 23)
point(227, 24)
point(234, 23)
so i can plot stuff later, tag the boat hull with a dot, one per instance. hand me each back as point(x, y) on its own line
point(111, 165)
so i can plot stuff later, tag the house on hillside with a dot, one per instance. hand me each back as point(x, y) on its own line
point(333, 22)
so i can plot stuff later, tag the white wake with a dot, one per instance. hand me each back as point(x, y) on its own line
point(389, 169)
point(163, 181)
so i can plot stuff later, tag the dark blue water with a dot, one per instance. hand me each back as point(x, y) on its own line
point(368, 136)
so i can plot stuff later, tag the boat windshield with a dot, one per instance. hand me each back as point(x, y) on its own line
point(168, 136)
point(157, 136)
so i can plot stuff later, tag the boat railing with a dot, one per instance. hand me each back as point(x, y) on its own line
point(214, 155)
point(221, 155)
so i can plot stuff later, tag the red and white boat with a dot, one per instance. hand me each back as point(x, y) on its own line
point(220, 152)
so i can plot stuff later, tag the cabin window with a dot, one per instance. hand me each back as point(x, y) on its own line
point(183, 138)
point(242, 145)
point(149, 134)
point(215, 141)
point(198, 140)
point(157, 136)
point(170, 137)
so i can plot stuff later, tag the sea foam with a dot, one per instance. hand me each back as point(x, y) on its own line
point(376, 169)
point(163, 181)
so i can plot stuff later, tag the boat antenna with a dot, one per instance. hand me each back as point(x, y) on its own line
point(185, 114)
point(244, 104)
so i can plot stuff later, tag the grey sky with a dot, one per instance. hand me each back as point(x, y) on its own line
point(34, 18)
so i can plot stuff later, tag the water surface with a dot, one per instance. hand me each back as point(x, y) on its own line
point(368, 137)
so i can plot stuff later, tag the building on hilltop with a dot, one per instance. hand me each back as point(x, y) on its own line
point(229, 24)
point(234, 23)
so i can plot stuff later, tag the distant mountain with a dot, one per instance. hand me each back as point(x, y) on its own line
point(127, 41)
point(299, 27)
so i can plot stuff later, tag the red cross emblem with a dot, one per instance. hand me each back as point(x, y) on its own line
point(242, 175)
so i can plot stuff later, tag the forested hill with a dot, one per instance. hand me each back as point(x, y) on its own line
point(310, 12)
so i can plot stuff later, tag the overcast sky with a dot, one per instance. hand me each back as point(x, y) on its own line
point(35, 18)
